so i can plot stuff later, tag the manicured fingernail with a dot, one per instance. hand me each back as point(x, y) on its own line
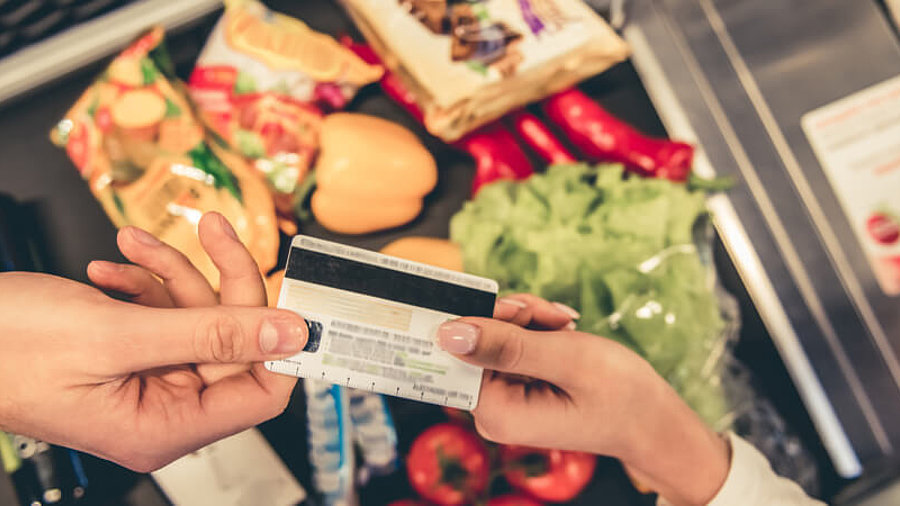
point(144, 237)
point(227, 228)
point(570, 326)
point(281, 335)
point(458, 337)
point(571, 313)
point(512, 302)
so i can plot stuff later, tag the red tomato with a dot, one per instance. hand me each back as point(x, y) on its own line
point(513, 500)
point(448, 465)
point(549, 475)
point(883, 228)
point(78, 146)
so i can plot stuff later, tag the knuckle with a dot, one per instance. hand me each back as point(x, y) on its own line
point(240, 274)
point(220, 339)
point(510, 349)
point(171, 263)
point(524, 316)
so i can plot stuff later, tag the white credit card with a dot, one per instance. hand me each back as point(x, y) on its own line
point(373, 318)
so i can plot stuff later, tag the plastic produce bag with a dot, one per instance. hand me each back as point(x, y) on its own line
point(634, 257)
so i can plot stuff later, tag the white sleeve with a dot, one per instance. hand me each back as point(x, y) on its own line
point(751, 482)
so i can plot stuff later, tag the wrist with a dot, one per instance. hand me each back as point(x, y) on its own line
point(674, 452)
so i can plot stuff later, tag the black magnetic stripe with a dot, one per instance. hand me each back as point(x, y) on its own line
point(398, 286)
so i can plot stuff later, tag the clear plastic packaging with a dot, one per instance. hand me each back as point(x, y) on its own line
point(262, 82)
point(468, 63)
point(134, 138)
point(634, 257)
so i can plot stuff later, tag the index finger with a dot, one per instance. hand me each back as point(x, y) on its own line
point(509, 348)
point(185, 284)
point(241, 283)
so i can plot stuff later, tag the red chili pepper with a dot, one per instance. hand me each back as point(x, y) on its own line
point(497, 155)
point(538, 137)
point(391, 85)
point(600, 136)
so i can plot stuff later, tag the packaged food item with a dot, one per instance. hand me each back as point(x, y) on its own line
point(262, 80)
point(469, 62)
point(371, 174)
point(134, 138)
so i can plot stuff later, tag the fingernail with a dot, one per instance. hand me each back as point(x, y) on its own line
point(570, 326)
point(144, 237)
point(227, 228)
point(281, 335)
point(458, 337)
point(512, 302)
point(571, 313)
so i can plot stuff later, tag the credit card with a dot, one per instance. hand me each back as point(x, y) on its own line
point(373, 318)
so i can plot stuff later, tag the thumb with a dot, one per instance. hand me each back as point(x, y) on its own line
point(509, 348)
point(152, 337)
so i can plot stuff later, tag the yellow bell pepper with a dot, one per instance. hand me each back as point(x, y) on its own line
point(371, 174)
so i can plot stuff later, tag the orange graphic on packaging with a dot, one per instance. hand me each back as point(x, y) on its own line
point(288, 44)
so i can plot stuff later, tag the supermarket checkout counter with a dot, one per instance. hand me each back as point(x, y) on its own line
point(73, 230)
point(797, 100)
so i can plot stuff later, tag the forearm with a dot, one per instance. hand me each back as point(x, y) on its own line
point(673, 452)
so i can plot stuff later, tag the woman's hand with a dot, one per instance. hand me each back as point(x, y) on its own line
point(575, 391)
point(143, 385)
